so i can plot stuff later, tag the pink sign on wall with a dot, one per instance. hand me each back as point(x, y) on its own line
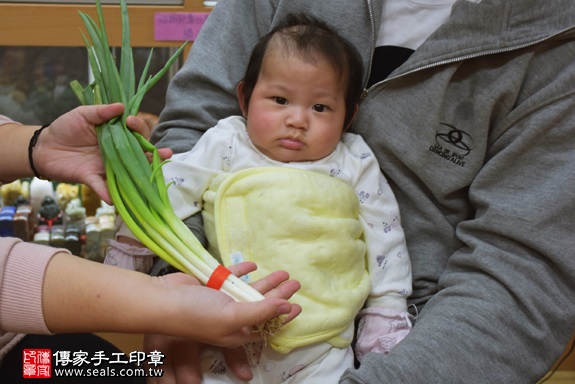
point(178, 26)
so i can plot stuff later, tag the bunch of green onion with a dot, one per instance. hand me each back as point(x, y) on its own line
point(136, 185)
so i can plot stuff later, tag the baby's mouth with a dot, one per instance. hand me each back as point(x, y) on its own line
point(291, 143)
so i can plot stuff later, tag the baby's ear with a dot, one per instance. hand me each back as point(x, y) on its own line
point(240, 94)
point(352, 118)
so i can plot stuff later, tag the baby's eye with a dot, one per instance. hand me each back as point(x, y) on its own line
point(319, 108)
point(280, 100)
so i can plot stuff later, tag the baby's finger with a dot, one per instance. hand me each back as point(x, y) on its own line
point(243, 268)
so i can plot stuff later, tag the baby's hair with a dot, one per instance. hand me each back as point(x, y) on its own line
point(310, 39)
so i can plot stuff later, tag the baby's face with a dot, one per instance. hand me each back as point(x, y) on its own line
point(297, 109)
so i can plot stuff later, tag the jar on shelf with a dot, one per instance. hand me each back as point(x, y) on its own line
point(7, 221)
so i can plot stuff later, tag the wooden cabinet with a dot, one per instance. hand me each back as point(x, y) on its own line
point(46, 24)
point(42, 50)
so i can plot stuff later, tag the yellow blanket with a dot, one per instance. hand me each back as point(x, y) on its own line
point(299, 221)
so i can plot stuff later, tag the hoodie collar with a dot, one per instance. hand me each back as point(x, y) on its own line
point(489, 26)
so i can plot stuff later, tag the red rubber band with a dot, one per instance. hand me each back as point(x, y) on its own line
point(218, 277)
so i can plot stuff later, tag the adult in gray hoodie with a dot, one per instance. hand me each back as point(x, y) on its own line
point(475, 129)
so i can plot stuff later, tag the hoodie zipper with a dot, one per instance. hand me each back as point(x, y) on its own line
point(372, 49)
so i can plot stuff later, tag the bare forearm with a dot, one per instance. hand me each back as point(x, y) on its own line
point(14, 149)
point(83, 296)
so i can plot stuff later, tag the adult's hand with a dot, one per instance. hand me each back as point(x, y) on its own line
point(182, 361)
point(67, 150)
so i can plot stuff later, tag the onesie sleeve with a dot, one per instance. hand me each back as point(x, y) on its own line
point(388, 261)
point(385, 320)
point(190, 173)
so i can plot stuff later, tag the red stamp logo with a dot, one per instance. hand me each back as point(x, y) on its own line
point(37, 363)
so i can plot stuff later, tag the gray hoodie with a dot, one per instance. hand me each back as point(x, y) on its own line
point(476, 134)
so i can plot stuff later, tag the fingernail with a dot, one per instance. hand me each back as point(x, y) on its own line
point(246, 372)
point(284, 308)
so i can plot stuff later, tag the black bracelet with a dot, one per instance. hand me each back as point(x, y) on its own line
point(33, 142)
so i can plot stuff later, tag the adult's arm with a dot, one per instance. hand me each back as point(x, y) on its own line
point(65, 293)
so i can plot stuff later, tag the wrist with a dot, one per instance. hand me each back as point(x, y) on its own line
point(34, 148)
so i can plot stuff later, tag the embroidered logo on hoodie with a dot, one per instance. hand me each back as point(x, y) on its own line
point(452, 144)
